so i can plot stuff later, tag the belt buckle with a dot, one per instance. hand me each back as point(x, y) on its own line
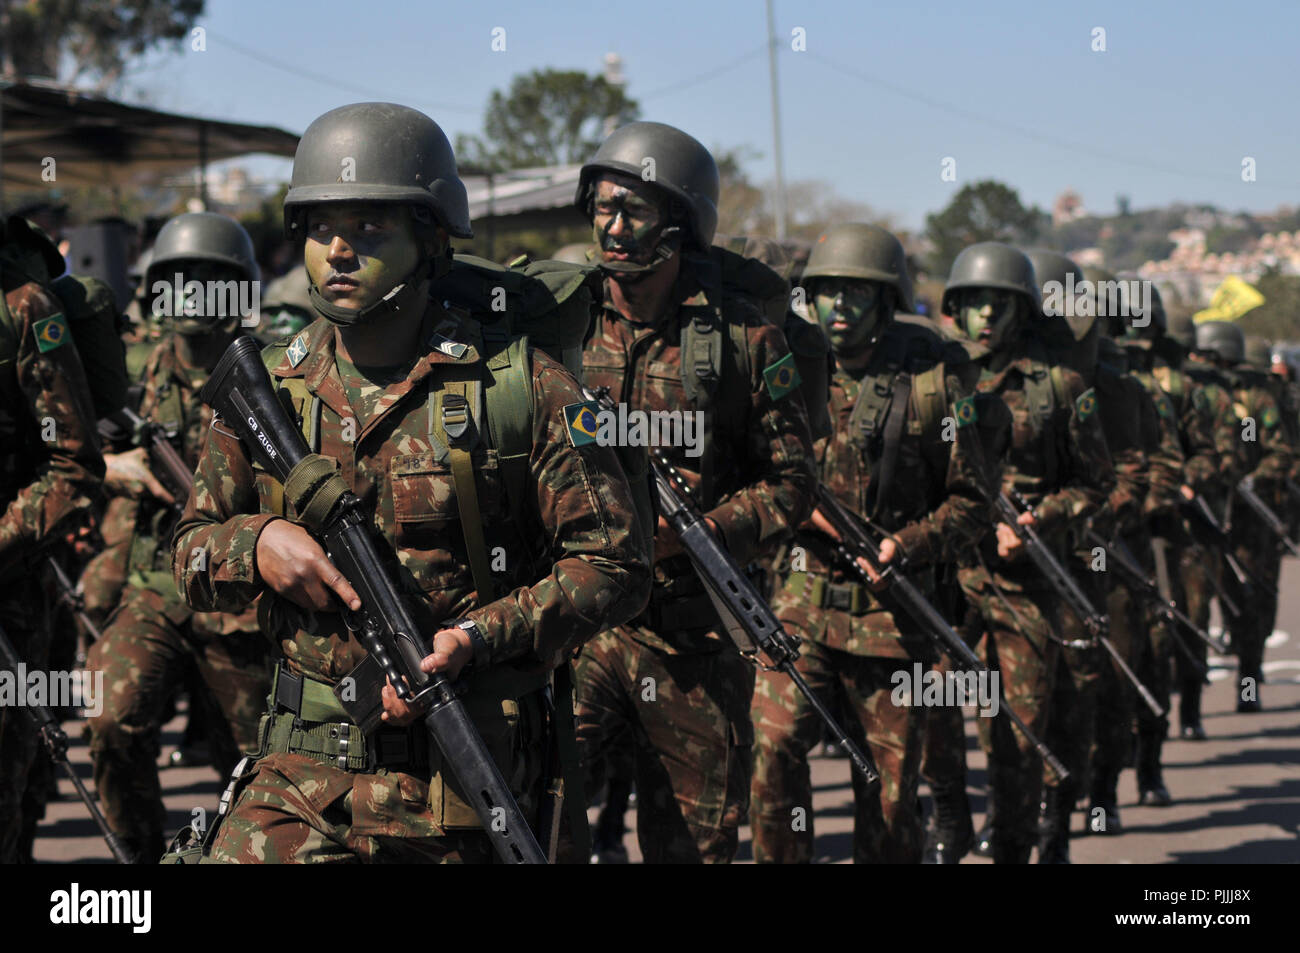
point(342, 731)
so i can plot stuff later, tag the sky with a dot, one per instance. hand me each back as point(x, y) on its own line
point(881, 95)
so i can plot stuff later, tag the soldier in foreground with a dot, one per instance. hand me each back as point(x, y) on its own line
point(153, 636)
point(671, 336)
point(888, 459)
point(379, 380)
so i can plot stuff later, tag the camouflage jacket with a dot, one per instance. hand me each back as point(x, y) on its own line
point(1058, 459)
point(1129, 423)
point(761, 459)
point(937, 506)
point(580, 559)
point(1267, 456)
point(50, 464)
point(1164, 451)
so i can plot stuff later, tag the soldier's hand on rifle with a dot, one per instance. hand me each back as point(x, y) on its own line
point(129, 473)
point(823, 525)
point(292, 563)
point(452, 651)
point(666, 540)
point(1188, 493)
point(1008, 542)
point(888, 549)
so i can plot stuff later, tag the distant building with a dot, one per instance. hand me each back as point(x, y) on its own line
point(1067, 207)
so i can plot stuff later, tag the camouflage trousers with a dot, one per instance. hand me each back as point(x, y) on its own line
point(1193, 584)
point(20, 746)
point(688, 719)
point(290, 809)
point(1018, 635)
point(1256, 549)
point(1112, 747)
point(1076, 688)
point(857, 690)
point(143, 655)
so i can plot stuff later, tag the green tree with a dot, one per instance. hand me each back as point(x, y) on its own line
point(986, 211)
point(1278, 318)
point(68, 39)
point(548, 117)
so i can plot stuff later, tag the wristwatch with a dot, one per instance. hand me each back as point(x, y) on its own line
point(482, 653)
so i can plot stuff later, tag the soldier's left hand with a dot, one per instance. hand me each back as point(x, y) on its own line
point(1008, 542)
point(888, 549)
point(452, 650)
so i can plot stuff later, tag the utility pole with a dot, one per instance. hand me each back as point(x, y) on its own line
point(776, 126)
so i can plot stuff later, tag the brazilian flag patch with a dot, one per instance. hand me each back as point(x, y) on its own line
point(1164, 408)
point(1086, 404)
point(50, 332)
point(782, 377)
point(1269, 418)
point(964, 411)
point(582, 422)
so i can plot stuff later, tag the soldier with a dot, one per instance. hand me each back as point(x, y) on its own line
point(672, 337)
point(367, 376)
point(153, 637)
point(893, 458)
point(1059, 464)
point(1266, 459)
point(50, 467)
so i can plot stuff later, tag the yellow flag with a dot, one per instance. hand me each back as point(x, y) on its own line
point(1231, 300)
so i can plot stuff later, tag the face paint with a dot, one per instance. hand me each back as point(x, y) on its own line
point(628, 218)
point(849, 309)
point(358, 252)
point(206, 298)
point(983, 311)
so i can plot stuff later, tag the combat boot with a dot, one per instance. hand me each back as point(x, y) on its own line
point(1151, 784)
point(1189, 713)
point(951, 834)
point(1007, 851)
point(1105, 798)
point(1054, 824)
point(984, 839)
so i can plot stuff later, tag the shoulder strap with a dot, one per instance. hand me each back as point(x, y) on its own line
point(509, 410)
point(1060, 392)
point(930, 394)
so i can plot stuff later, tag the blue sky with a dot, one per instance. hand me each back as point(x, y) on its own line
point(882, 94)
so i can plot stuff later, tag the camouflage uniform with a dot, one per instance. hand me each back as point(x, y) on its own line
point(671, 677)
point(855, 644)
point(152, 636)
point(1267, 458)
point(293, 807)
point(50, 467)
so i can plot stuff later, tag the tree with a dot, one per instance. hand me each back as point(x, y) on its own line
point(68, 39)
point(1278, 318)
point(986, 211)
point(549, 117)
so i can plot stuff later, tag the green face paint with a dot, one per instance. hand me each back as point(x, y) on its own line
point(849, 309)
point(206, 298)
point(983, 311)
point(628, 217)
point(357, 252)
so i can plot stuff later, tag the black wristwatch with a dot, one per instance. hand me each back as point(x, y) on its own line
point(482, 653)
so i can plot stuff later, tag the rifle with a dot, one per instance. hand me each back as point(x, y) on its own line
point(1246, 490)
point(167, 463)
point(72, 599)
point(1138, 581)
point(1068, 589)
point(747, 617)
point(856, 542)
point(1199, 514)
point(56, 744)
point(241, 393)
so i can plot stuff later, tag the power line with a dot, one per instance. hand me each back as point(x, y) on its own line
point(704, 77)
point(1073, 147)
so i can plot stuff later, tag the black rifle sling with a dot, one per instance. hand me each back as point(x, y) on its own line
point(883, 477)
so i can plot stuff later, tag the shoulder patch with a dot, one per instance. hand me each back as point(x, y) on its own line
point(50, 332)
point(1086, 404)
point(781, 377)
point(964, 411)
point(1269, 418)
point(581, 422)
point(1164, 406)
point(297, 350)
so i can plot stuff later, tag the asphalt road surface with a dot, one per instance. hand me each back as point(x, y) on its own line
point(1236, 795)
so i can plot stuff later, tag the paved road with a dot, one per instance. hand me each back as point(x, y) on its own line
point(1237, 795)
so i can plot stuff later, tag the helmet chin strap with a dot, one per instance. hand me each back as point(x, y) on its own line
point(630, 272)
point(411, 292)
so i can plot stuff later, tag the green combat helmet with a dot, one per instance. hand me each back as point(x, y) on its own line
point(205, 247)
point(995, 267)
point(1106, 296)
point(1258, 352)
point(1180, 329)
point(675, 162)
point(862, 251)
point(379, 152)
point(286, 306)
point(1223, 339)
